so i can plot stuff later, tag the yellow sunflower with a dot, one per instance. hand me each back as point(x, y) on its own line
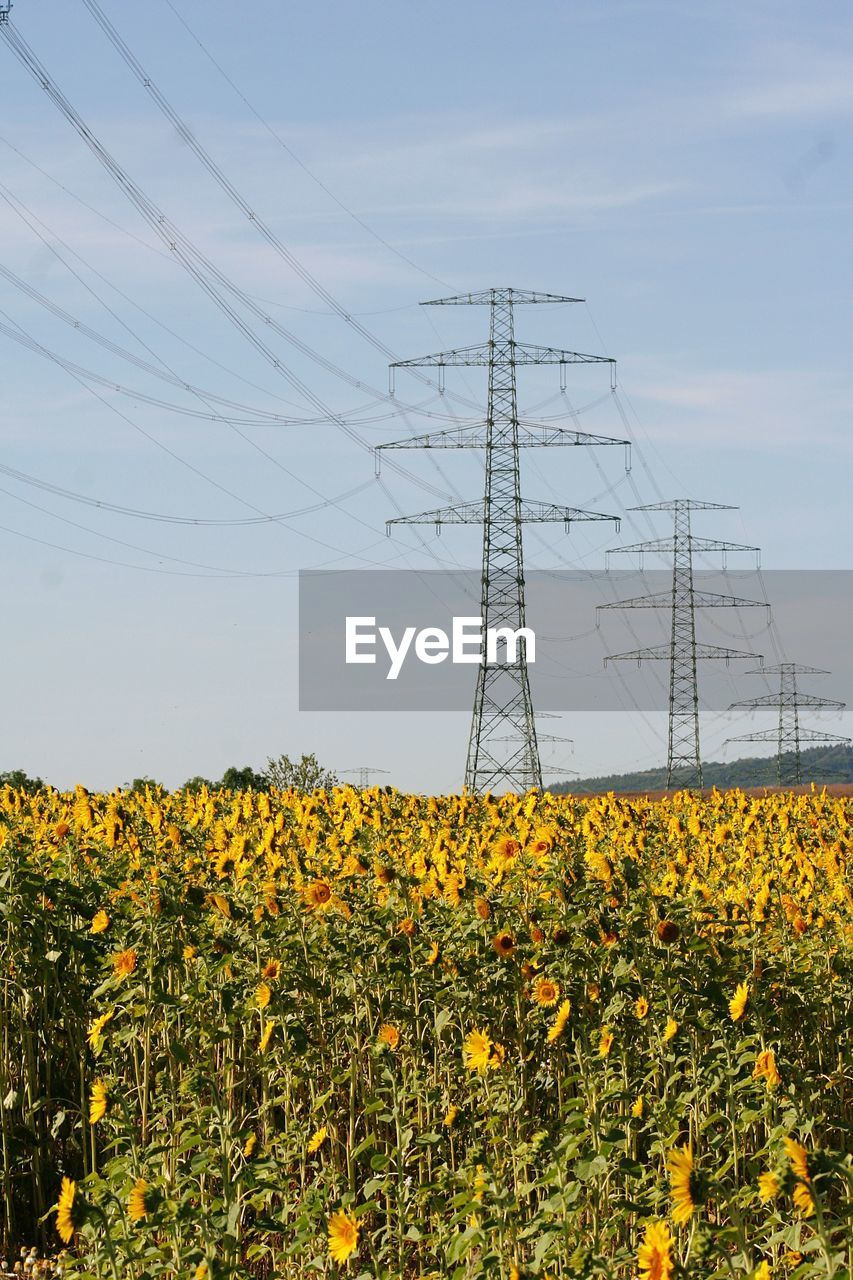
point(318, 894)
point(100, 922)
point(477, 1051)
point(141, 1200)
point(669, 1030)
point(388, 1034)
point(654, 1256)
point(605, 1042)
point(681, 1183)
point(96, 1031)
point(271, 970)
point(546, 992)
point(263, 995)
point(70, 1210)
point(798, 1157)
point(343, 1236)
point(768, 1186)
point(558, 1026)
point(737, 1004)
point(504, 944)
point(316, 1140)
point(641, 1007)
point(124, 963)
point(766, 1069)
point(99, 1100)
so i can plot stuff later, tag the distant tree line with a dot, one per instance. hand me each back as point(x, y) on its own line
point(304, 774)
point(817, 764)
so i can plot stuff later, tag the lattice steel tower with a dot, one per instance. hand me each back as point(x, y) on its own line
point(502, 749)
point(684, 761)
point(788, 735)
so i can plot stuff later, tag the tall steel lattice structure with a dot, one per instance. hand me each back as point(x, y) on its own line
point(683, 761)
point(503, 751)
point(788, 735)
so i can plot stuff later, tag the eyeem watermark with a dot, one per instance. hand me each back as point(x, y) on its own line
point(432, 645)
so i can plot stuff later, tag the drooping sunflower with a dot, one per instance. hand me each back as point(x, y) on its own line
point(343, 1236)
point(605, 1042)
point(738, 1002)
point(641, 1007)
point(504, 944)
point(99, 1101)
point(70, 1210)
point(766, 1069)
point(263, 995)
point(389, 1035)
point(96, 1031)
point(546, 992)
point(316, 1140)
point(654, 1256)
point(249, 1146)
point(798, 1157)
point(669, 1030)
point(450, 1115)
point(682, 1183)
point(477, 1051)
point(558, 1026)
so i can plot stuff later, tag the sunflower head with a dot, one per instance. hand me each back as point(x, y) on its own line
point(654, 1256)
point(667, 932)
point(343, 1236)
point(318, 894)
point(546, 992)
point(477, 1051)
point(99, 1101)
point(504, 944)
point(389, 1036)
point(142, 1201)
point(683, 1184)
point(70, 1210)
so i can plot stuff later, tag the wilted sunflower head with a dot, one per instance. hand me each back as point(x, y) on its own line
point(504, 944)
point(667, 931)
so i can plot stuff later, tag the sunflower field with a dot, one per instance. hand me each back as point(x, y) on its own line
point(380, 1035)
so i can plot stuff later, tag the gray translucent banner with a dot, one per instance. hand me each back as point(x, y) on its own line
point(399, 618)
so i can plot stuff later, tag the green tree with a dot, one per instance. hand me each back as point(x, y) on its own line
point(21, 781)
point(306, 774)
point(245, 779)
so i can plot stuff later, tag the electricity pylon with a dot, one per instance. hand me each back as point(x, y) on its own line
point(682, 651)
point(502, 748)
point(788, 735)
point(364, 771)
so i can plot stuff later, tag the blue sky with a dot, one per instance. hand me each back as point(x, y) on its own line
point(686, 169)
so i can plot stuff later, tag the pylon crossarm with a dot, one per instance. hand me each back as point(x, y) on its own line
point(658, 652)
point(780, 700)
point(804, 735)
point(532, 353)
point(476, 355)
point(485, 297)
point(529, 512)
point(684, 504)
